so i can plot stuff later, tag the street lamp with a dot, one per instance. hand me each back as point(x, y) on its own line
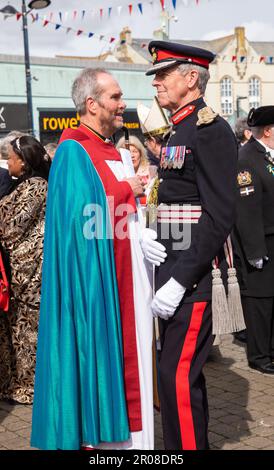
point(238, 99)
point(37, 5)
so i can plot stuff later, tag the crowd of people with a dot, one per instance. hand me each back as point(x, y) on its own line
point(87, 278)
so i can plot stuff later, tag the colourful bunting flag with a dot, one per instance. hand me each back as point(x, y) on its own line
point(174, 4)
point(68, 30)
point(46, 22)
point(109, 11)
point(130, 8)
point(111, 40)
point(119, 9)
point(74, 14)
point(18, 16)
point(83, 14)
point(242, 58)
point(80, 31)
point(57, 26)
point(162, 4)
point(262, 58)
point(140, 6)
point(101, 12)
point(90, 35)
point(234, 58)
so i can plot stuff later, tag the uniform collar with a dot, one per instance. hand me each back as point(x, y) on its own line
point(267, 149)
point(186, 110)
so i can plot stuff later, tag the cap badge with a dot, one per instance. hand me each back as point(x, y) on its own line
point(244, 178)
point(154, 55)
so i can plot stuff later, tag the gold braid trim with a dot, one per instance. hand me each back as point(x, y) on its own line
point(152, 203)
point(206, 116)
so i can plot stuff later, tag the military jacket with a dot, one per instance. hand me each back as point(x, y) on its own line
point(254, 229)
point(198, 167)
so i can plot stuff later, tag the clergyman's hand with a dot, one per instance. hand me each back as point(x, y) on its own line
point(136, 185)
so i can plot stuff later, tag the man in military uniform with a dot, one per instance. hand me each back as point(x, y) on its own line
point(254, 237)
point(197, 195)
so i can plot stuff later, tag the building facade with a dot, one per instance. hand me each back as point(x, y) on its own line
point(242, 76)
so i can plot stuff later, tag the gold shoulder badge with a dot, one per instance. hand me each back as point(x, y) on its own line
point(154, 55)
point(206, 116)
point(244, 178)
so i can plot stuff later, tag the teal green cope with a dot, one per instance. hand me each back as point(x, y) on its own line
point(79, 386)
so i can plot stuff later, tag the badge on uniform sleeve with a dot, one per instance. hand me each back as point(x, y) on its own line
point(244, 178)
point(247, 191)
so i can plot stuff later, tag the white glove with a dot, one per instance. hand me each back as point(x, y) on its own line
point(258, 262)
point(167, 299)
point(154, 252)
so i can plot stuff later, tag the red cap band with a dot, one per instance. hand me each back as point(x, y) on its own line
point(163, 55)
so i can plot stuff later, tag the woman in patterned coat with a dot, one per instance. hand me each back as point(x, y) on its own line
point(22, 214)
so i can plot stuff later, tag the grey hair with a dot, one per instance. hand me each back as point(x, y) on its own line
point(203, 75)
point(240, 127)
point(258, 131)
point(85, 85)
point(4, 144)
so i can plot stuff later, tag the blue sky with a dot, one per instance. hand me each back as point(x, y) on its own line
point(208, 20)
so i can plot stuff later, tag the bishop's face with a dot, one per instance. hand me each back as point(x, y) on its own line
point(110, 105)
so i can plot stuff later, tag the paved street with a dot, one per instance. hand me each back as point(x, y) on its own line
point(241, 406)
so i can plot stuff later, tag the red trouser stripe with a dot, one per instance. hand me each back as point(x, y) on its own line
point(182, 378)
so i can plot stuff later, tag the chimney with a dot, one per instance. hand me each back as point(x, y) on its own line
point(240, 40)
point(241, 51)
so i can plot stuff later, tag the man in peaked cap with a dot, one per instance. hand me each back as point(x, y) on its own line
point(254, 237)
point(196, 198)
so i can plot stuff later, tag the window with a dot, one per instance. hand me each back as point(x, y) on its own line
point(254, 92)
point(226, 96)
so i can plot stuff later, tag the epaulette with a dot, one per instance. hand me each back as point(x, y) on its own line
point(206, 116)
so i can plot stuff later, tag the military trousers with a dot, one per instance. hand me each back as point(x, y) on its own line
point(259, 320)
point(186, 340)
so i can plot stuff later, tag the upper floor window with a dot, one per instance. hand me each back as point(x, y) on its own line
point(254, 92)
point(226, 96)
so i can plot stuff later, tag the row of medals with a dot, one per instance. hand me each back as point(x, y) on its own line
point(173, 157)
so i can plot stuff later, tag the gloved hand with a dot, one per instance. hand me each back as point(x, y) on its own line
point(258, 262)
point(154, 252)
point(167, 299)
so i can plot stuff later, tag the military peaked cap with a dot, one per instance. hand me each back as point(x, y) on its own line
point(166, 54)
point(261, 116)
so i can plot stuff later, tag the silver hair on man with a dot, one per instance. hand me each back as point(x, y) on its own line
point(85, 85)
point(203, 75)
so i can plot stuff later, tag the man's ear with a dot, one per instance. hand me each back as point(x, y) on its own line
point(91, 105)
point(267, 131)
point(192, 78)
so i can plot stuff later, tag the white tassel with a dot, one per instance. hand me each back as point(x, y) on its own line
point(234, 301)
point(221, 323)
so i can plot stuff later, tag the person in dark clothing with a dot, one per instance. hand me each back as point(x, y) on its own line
point(196, 212)
point(254, 237)
point(6, 182)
